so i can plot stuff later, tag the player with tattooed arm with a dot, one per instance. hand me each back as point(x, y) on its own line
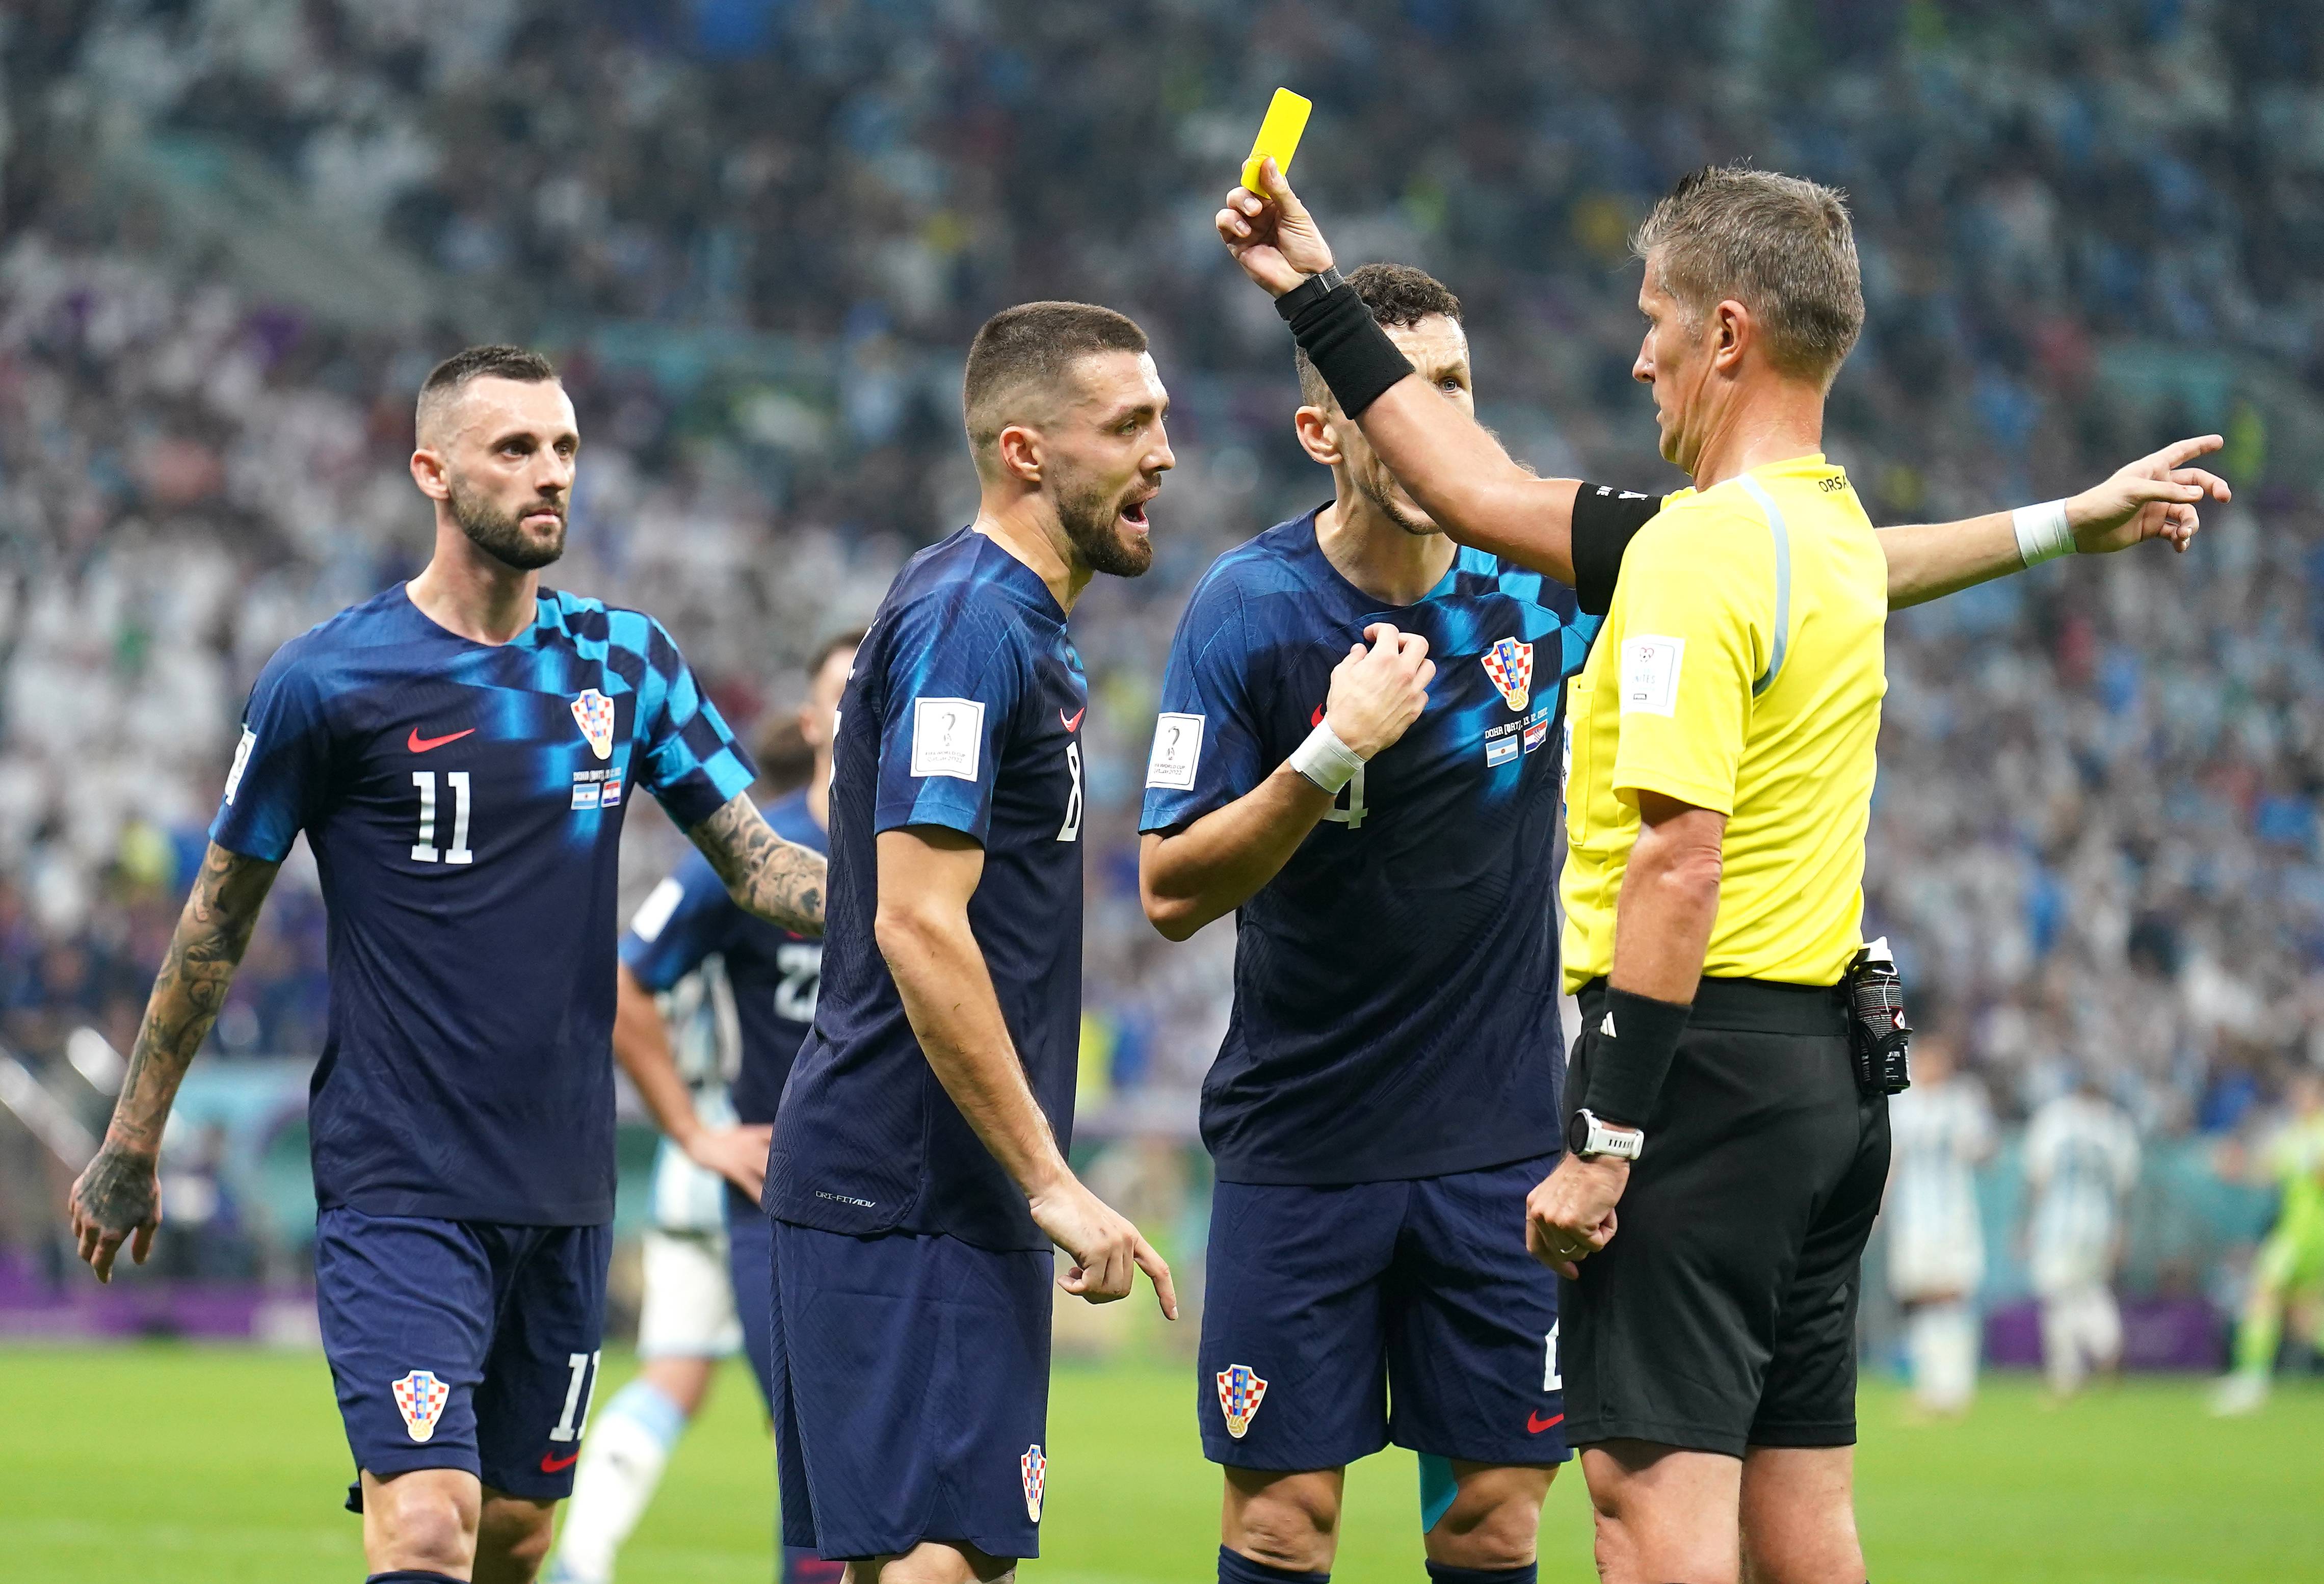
point(459, 751)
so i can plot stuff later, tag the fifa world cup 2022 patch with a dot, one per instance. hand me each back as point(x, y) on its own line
point(593, 713)
point(1509, 664)
point(420, 1397)
point(1241, 1391)
point(1034, 1465)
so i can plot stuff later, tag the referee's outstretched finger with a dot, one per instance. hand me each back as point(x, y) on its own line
point(1157, 1271)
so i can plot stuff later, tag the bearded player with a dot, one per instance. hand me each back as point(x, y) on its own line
point(459, 751)
point(918, 1179)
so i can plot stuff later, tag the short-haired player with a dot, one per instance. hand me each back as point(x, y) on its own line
point(918, 1180)
point(459, 751)
point(708, 1275)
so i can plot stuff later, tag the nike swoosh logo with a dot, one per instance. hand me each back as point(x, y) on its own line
point(418, 744)
point(1076, 718)
point(550, 1463)
point(1317, 718)
point(1535, 1424)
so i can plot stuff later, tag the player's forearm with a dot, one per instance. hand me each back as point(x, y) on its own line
point(781, 881)
point(1928, 560)
point(641, 1047)
point(949, 1000)
point(1473, 489)
point(212, 933)
point(1668, 903)
point(1189, 878)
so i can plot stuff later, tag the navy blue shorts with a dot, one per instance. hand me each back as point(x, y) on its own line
point(462, 1344)
point(1336, 1320)
point(750, 1267)
point(911, 1383)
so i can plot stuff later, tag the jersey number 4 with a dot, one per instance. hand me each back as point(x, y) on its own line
point(423, 851)
point(1352, 813)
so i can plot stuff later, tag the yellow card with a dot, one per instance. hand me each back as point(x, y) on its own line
point(1278, 135)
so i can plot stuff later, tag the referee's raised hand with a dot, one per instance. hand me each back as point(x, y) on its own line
point(1271, 235)
point(2155, 497)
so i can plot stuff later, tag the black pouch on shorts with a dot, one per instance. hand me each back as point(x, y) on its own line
point(1879, 1038)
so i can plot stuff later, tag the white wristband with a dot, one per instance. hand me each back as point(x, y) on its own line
point(2041, 532)
point(1327, 761)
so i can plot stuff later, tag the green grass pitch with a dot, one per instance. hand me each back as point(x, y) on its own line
point(152, 1465)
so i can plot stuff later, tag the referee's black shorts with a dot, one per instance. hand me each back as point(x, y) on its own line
point(1722, 1315)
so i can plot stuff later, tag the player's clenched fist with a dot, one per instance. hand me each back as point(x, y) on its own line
point(1378, 693)
point(1107, 1248)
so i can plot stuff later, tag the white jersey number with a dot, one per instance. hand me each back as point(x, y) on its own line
point(423, 851)
point(1071, 830)
point(801, 963)
point(1352, 815)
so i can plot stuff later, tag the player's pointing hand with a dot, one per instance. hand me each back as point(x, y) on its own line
point(2158, 496)
point(1378, 693)
point(1107, 1248)
point(1271, 235)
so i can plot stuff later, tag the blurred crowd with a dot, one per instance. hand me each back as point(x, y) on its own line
point(759, 233)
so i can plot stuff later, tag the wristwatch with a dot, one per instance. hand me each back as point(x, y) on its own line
point(1313, 288)
point(1587, 1138)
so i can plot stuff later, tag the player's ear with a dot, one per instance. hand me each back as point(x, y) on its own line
point(1312, 425)
point(1019, 449)
point(429, 472)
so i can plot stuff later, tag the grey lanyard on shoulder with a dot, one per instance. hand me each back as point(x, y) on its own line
point(1782, 535)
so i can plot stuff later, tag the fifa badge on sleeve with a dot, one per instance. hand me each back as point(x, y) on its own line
point(420, 1397)
point(1034, 1467)
point(593, 712)
point(1240, 1391)
point(1510, 665)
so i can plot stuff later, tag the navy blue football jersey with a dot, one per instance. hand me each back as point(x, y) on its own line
point(964, 711)
point(464, 802)
point(1395, 985)
point(773, 974)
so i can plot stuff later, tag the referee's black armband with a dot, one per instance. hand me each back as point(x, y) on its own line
point(1605, 520)
point(1635, 1043)
point(1337, 332)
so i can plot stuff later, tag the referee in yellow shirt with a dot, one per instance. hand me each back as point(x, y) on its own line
point(1722, 739)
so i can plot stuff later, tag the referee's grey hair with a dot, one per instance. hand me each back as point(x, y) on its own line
point(1780, 245)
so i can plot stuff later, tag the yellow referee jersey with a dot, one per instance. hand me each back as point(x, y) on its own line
point(1740, 668)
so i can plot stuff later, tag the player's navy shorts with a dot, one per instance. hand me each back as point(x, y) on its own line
point(462, 1344)
point(1325, 1305)
point(911, 1383)
point(750, 1267)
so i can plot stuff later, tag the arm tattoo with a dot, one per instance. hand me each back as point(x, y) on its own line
point(116, 1191)
point(781, 881)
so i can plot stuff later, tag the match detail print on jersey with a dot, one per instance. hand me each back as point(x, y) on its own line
point(947, 737)
point(1650, 668)
point(1178, 751)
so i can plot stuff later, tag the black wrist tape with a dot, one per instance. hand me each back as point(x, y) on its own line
point(1346, 344)
point(1631, 1057)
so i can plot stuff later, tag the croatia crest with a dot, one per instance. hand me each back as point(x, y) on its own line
point(1034, 1467)
point(593, 713)
point(1240, 1391)
point(1510, 665)
point(420, 1397)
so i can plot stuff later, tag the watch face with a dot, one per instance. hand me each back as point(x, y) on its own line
point(1577, 1133)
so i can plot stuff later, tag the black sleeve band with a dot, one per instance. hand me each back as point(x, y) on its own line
point(1635, 1043)
point(1605, 520)
point(1340, 336)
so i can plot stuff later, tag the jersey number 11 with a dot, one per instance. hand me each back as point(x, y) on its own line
point(423, 851)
